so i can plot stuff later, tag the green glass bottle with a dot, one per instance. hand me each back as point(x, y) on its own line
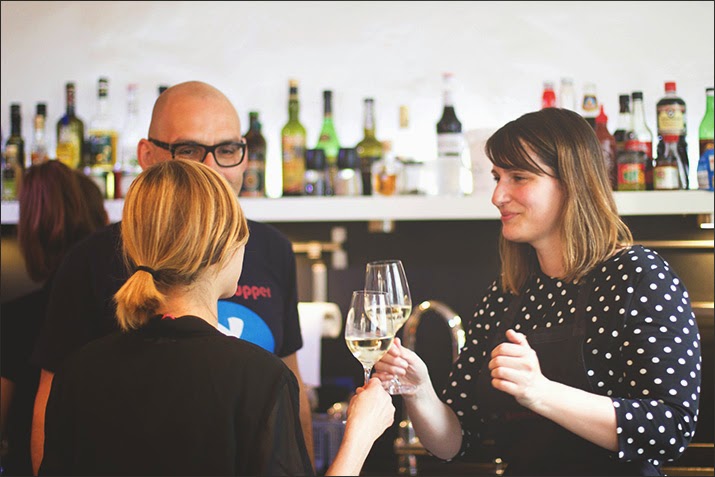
point(328, 142)
point(706, 125)
point(16, 137)
point(369, 149)
point(293, 146)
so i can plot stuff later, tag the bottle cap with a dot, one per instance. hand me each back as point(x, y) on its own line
point(670, 86)
point(601, 118)
point(348, 158)
point(41, 109)
point(637, 94)
point(315, 159)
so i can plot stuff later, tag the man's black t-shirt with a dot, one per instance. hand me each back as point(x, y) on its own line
point(81, 308)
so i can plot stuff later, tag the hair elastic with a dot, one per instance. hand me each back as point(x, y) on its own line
point(149, 270)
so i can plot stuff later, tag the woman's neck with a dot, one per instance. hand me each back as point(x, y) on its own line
point(195, 300)
point(551, 260)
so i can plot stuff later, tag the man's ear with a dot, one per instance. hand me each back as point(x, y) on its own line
point(144, 150)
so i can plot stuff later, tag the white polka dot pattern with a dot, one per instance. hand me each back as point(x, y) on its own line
point(642, 349)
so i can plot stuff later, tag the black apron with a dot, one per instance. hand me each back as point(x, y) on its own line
point(528, 443)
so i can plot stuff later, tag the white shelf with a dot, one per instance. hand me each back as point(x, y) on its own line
point(412, 208)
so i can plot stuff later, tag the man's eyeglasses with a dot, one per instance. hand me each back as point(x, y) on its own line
point(226, 154)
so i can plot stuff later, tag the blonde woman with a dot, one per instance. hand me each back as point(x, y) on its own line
point(583, 358)
point(170, 394)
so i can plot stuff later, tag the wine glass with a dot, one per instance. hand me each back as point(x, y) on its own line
point(389, 276)
point(368, 330)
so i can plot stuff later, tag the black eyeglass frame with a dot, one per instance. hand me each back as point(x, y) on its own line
point(207, 149)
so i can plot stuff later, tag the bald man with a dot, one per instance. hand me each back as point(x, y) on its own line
point(191, 120)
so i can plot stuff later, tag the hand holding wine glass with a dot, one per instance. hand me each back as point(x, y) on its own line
point(389, 276)
point(368, 331)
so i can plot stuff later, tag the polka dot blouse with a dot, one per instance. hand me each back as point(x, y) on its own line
point(642, 348)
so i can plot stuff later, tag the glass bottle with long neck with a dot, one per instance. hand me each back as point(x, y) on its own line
point(15, 137)
point(128, 168)
point(369, 149)
point(705, 132)
point(254, 183)
point(102, 135)
point(624, 122)
point(328, 142)
point(640, 137)
point(38, 150)
point(671, 119)
point(293, 145)
point(450, 168)
point(70, 133)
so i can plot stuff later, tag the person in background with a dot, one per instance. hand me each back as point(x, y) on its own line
point(194, 121)
point(170, 394)
point(57, 208)
point(583, 357)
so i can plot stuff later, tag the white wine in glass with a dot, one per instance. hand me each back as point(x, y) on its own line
point(389, 276)
point(368, 330)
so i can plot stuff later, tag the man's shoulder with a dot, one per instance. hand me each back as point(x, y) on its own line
point(100, 242)
point(266, 236)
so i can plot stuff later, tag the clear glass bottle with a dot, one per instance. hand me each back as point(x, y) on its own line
point(293, 145)
point(254, 177)
point(386, 172)
point(328, 141)
point(70, 133)
point(369, 149)
point(668, 173)
point(567, 94)
point(128, 168)
point(640, 137)
point(407, 155)
point(38, 150)
point(102, 136)
point(589, 104)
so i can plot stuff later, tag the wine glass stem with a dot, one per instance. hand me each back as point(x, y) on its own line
point(367, 374)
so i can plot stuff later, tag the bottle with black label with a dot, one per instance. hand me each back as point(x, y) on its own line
point(450, 145)
point(254, 177)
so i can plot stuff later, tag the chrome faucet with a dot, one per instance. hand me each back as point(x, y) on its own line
point(407, 445)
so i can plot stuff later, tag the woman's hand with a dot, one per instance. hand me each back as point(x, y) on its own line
point(515, 370)
point(404, 363)
point(371, 410)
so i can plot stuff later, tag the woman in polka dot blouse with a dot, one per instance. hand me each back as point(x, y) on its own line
point(583, 358)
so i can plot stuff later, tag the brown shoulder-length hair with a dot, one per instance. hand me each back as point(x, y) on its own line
point(179, 218)
point(591, 227)
point(54, 215)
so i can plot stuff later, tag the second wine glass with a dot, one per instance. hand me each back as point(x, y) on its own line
point(389, 276)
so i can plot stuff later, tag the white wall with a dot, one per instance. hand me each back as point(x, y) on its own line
point(500, 52)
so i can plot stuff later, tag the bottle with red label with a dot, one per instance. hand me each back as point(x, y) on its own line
point(640, 139)
point(668, 173)
point(670, 113)
point(548, 97)
point(608, 146)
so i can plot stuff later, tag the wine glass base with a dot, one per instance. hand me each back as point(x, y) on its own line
point(395, 389)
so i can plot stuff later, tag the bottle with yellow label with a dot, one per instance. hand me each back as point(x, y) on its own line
point(293, 146)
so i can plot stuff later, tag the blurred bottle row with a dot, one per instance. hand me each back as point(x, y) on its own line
point(628, 152)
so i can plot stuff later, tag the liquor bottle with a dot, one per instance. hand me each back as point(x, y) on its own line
point(127, 167)
point(668, 173)
point(70, 133)
point(705, 133)
point(293, 145)
point(640, 137)
point(670, 113)
point(102, 142)
point(567, 94)
point(386, 172)
point(624, 122)
point(11, 172)
point(589, 105)
point(328, 141)
point(349, 178)
point(406, 154)
point(38, 150)
point(16, 135)
point(608, 146)
point(369, 149)
point(315, 172)
point(548, 96)
point(450, 146)
point(254, 177)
